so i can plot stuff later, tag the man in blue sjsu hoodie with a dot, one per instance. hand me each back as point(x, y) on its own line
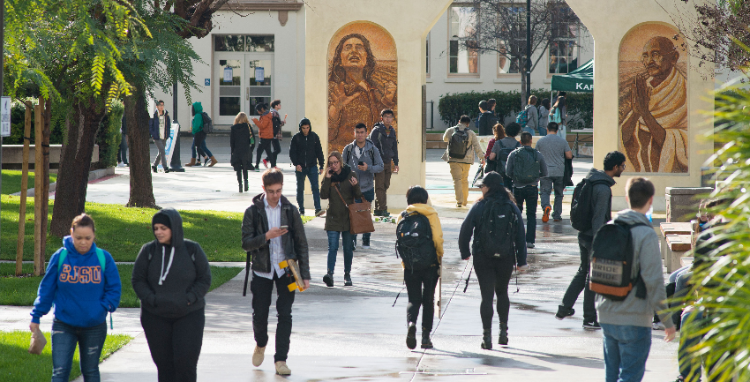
point(83, 290)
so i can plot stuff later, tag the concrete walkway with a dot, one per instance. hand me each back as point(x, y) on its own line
point(354, 333)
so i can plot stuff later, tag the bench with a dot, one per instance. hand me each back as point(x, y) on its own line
point(676, 247)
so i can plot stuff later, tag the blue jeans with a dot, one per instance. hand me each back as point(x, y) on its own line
point(333, 249)
point(626, 350)
point(528, 194)
point(542, 130)
point(64, 340)
point(547, 185)
point(201, 138)
point(312, 174)
point(369, 196)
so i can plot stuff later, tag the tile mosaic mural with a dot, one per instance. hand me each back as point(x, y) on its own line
point(362, 80)
point(653, 107)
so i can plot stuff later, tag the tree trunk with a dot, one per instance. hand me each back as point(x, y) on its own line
point(73, 176)
point(136, 116)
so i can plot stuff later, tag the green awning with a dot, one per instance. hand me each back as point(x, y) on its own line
point(579, 80)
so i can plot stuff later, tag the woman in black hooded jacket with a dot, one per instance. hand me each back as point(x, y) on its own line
point(241, 143)
point(171, 276)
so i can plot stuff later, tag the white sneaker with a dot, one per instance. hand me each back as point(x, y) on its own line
point(258, 355)
point(658, 326)
point(282, 368)
point(121, 165)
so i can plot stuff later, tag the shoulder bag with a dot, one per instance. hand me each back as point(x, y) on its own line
point(360, 219)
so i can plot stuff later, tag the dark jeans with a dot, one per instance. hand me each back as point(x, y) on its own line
point(333, 249)
point(494, 276)
point(626, 350)
point(90, 342)
point(122, 151)
point(175, 344)
point(262, 288)
point(530, 195)
point(508, 182)
point(312, 174)
point(369, 196)
point(276, 150)
point(265, 145)
point(580, 283)
point(415, 281)
point(199, 141)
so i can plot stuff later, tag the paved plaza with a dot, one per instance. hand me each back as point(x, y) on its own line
point(355, 333)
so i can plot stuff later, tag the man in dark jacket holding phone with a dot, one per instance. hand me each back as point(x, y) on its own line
point(304, 150)
point(272, 232)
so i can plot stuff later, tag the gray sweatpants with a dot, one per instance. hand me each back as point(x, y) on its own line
point(162, 154)
point(547, 185)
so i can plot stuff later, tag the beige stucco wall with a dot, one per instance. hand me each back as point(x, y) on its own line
point(408, 21)
point(609, 21)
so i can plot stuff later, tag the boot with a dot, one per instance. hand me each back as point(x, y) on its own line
point(411, 336)
point(503, 339)
point(154, 168)
point(247, 186)
point(328, 278)
point(239, 179)
point(426, 342)
point(192, 163)
point(347, 279)
point(487, 339)
point(213, 161)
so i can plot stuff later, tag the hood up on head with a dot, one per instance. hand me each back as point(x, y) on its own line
point(178, 236)
point(304, 121)
point(197, 108)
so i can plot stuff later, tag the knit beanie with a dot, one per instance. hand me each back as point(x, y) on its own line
point(161, 218)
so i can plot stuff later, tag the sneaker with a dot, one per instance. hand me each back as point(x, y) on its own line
point(282, 368)
point(366, 243)
point(154, 168)
point(328, 279)
point(545, 217)
point(458, 205)
point(257, 169)
point(376, 213)
point(319, 213)
point(122, 165)
point(265, 163)
point(301, 212)
point(563, 311)
point(385, 213)
point(411, 336)
point(258, 355)
point(592, 325)
point(347, 280)
point(557, 220)
point(530, 245)
point(658, 326)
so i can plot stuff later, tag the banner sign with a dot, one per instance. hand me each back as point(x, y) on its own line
point(174, 134)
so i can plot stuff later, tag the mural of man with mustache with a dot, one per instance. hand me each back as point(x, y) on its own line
point(653, 114)
point(358, 89)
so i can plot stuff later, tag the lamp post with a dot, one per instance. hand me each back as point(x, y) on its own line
point(175, 163)
point(528, 48)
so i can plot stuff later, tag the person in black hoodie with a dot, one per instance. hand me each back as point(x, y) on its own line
point(272, 232)
point(171, 276)
point(304, 150)
point(383, 135)
point(242, 151)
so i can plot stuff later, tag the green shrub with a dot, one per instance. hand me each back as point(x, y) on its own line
point(18, 119)
point(108, 137)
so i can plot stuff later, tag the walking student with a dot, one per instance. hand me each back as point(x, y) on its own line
point(419, 241)
point(626, 324)
point(278, 123)
point(529, 117)
point(241, 151)
point(83, 284)
point(555, 150)
point(365, 160)
point(122, 151)
point(463, 146)
point(543, 117)
point(383, 135)
point(597, 199)
point(525, 166)
point(171, 277)
point(306, 153)
point(498, 132)
point(486, 119)
point(498, 248)
point(265, 130)
point(158, 127)
point(199, 136)
point(502, 148)
point(272, 231)
point(340, 187)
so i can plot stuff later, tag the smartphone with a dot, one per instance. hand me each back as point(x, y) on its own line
point(284, 227)
point(330, 172)
point(361, 163)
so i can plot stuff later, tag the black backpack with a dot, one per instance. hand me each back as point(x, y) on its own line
point(496, 236)
point(276, 124)
point(580, 206)
point(527, 166)
point(458, 145)
point(612, 257)
point(502, 158)
point(208, 124)
point(414, 242)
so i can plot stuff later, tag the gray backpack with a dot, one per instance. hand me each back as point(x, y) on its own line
point(527, 166)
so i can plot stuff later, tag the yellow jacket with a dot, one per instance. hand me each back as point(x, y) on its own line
point(437, 230)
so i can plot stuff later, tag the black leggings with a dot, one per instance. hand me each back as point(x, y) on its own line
point(240, 174)
point(276, 149)
point(175, 344)
point(494, 277)
point(198, 139)
point(418, 297)
point(265, 145)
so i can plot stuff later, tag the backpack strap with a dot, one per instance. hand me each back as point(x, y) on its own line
point(102, 258)
point(61, 259)
point(99, 254)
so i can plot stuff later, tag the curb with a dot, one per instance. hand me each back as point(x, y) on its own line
point(93, 175)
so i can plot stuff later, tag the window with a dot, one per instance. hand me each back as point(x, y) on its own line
point(511, 53)
point(462, 22)
point(243, 43)
point(229, 91)
point(563, 50)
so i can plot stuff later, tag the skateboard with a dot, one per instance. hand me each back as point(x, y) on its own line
point(384, 220)
point(291, 269)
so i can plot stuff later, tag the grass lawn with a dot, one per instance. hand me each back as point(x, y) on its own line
point(12, 180)
point(22, 291)
point(122, 231)
point(16, 364)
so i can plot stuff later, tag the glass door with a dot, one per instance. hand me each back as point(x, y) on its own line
point(228, 75)
point(259, 88)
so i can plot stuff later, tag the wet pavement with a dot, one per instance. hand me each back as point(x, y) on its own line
point(355, 333)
